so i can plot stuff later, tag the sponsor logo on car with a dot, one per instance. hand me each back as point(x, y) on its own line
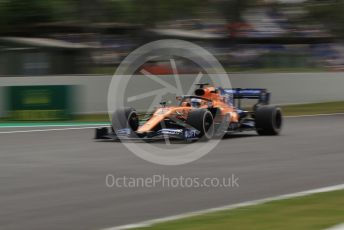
point(123, 132)
point(191, 133)
point(171, 131)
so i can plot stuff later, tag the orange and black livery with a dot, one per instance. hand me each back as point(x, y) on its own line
point(210, 112)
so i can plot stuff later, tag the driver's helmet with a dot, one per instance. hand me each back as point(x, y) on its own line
point(195, 102)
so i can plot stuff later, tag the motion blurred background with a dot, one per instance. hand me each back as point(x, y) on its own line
point(91, 37)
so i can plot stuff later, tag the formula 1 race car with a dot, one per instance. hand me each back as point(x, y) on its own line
point(210, 112)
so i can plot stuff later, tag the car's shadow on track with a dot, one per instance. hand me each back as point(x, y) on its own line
point(162, 141)
point(237, 135)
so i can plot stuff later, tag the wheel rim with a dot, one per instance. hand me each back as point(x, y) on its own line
point(208, 125)
point(278, 120)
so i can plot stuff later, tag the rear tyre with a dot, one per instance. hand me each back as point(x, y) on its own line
point(125, 118)
point(268, 120)
point(202, 120)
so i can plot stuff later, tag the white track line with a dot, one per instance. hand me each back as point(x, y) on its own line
point(47, 130)
point(56, 125)
point(337, 227)
point(90, 126)
point(149, 223)
point(316, 115)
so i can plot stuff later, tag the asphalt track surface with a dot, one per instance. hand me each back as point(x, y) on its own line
point(56, 179)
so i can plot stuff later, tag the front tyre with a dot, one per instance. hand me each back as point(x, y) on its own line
point(268, 120)
point(125, 118)
point(202, 120)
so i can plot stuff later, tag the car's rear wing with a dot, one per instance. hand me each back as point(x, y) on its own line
point(261, 95)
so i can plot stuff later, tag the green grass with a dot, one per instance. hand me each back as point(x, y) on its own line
point(288, 110)
point(276, 70)
point(92, 118)
point(75, 119)
point(110, 70)
point(103, 70)
point(317, 108)
point(319, 211)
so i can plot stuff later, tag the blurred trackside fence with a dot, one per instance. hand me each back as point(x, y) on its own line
point(57, 97)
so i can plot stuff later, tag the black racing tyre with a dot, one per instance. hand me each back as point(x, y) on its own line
point(125, 118)
point(202, 120)
point(268, 120)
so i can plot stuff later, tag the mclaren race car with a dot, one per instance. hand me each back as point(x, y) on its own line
point(211, 112)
